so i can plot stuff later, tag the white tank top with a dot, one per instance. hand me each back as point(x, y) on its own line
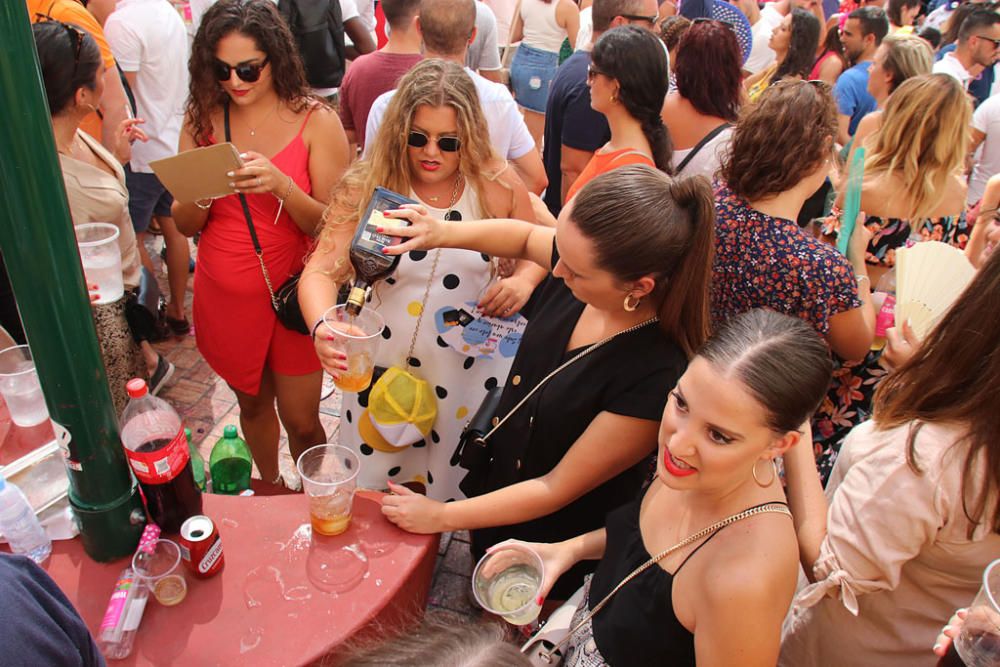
point(540, 28)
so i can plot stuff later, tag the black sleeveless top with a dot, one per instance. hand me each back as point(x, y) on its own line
point(639, 620)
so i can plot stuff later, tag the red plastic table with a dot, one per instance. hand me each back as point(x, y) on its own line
point(285, 597)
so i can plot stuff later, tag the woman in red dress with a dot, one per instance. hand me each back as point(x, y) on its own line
point(244, 64)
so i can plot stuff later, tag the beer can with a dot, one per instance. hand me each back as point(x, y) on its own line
point(201, 546)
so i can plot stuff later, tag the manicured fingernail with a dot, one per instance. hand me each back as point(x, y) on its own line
point(378, 229)
point(385, 251)
point(230, 174)
point(540, 601)
point(232, 184)
point(244, 156)
point(331, 337)
point(937, 647)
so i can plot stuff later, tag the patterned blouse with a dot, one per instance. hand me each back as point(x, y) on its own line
point(766, 262)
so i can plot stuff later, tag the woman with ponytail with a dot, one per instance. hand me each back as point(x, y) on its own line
point(581, 445)
point(628, 79)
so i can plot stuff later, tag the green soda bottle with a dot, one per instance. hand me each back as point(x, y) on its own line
point(230, 463)
point(197, 462)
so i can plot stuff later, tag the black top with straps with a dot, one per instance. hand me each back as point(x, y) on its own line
point(628, 376)
point(639, 620)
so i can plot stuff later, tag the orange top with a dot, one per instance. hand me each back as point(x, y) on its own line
point(602, 163)
point(70, 11)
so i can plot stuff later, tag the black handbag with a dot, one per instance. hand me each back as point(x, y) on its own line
point(284, 300)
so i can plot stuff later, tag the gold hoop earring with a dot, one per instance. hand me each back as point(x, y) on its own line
point(774, 474)
point(630, 305)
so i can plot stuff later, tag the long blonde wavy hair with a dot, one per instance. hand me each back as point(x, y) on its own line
point(923, 139)
point(435, 83)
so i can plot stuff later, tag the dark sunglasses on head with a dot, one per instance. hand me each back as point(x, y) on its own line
point(639, 17)
point(445, 144)
point(75, 36)
point(248, 72)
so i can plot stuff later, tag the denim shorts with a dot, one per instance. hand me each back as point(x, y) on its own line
point(146, 197)
point(531, 74)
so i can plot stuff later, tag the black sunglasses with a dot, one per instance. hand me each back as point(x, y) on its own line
point(995, 42)
point(639, 17)
point(593, 71)
point(248, 72)
point(75, 37)
point(445, 144)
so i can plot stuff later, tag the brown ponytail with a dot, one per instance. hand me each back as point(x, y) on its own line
point(643, 222)
point(684, 312)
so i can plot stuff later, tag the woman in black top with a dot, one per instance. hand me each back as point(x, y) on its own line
point(633, 246)
point(719, 599)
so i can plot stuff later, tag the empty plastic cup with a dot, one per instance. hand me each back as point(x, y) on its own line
point(20, 387)
point(329, 477)
point(506, 582)
point(102, 259)
point(358, 337)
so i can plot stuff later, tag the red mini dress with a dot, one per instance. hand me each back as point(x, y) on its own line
point(236, 329)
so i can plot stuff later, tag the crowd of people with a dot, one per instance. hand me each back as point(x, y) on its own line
point(651, 204)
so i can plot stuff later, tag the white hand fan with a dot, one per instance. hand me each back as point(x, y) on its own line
point(929, 278)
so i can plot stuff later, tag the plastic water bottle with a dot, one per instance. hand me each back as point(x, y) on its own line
point(20, 526)
point(197, 462)
point(230, 463)
point(123, 615)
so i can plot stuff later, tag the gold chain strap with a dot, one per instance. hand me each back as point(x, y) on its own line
point(430, 280)
point(778, 508)
point(551, 375)
point(267, 278)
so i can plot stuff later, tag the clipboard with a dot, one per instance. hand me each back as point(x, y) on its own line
point(199, 173)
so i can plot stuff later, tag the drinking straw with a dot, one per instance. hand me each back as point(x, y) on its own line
point(852, 200)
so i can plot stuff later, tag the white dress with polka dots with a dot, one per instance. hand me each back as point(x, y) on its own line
point(460, 382)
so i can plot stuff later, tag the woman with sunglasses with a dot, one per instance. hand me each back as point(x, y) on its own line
point(720, 598)
point(248, 86)
point(628, 79)
point(433, 146)
point(96, 190)
point(794, 42)
point(612, 331)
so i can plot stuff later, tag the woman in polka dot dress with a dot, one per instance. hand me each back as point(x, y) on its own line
point(434, 147)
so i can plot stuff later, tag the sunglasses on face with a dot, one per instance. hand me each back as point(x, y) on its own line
point(593, 71)
point(994, 42)
point(444, 144)
point(247, 72)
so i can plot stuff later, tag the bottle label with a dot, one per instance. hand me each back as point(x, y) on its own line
point(134, 614)
point(886, 317)
point(116, 605)
point(160, 465)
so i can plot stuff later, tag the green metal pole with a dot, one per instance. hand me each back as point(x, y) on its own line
point(39, 247)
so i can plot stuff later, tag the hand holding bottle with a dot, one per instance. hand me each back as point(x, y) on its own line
point(423, 233)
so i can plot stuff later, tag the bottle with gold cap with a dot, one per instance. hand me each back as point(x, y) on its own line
point(369, 262)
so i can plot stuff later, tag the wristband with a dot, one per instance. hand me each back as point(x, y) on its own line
point(316, 326)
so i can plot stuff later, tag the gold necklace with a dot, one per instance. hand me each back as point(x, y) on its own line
point(458, 180)
point(253, 130)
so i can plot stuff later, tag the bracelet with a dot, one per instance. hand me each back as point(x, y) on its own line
point(288, 191)
point(316, 326)
point(204, 207)
point(860, 276)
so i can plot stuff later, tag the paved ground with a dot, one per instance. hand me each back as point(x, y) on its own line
point(206, 405)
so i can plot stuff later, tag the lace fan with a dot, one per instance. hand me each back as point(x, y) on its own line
point(929, 278)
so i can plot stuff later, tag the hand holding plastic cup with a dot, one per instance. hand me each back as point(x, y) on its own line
point(329, 477)
point(978, 643)
point(357, 336)
point(20, 387)
point(159, 568)
point(102, 259)
point(507, 582)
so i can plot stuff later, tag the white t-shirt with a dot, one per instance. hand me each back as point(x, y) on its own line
point(148, 37)
point(585, 35)
point(986, 119)
point(951, 66)
point(761, 55)
point(508, 133)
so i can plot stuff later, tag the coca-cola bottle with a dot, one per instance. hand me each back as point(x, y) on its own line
point(158, 453)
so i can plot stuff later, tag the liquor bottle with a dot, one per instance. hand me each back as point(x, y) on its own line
point(121, 621)
point(885, 292)
point(230, 463)
point(20, 526)
point(369, 262)
point(197, 462)
point(158, 453)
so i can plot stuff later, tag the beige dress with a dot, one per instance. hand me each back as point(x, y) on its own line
point(896, 562)
point(97, 196)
